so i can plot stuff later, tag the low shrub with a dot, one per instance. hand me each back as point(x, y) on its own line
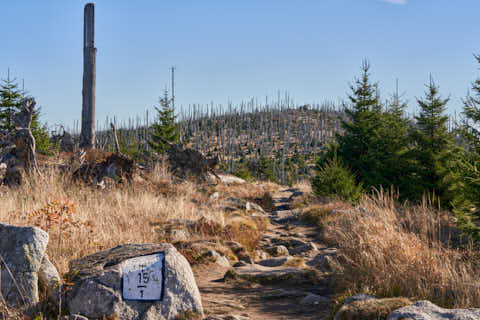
point(334, 180)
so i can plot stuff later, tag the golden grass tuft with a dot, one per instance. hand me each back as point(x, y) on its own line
point(390, 250)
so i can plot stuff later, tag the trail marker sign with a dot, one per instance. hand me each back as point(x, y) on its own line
point(142, 277)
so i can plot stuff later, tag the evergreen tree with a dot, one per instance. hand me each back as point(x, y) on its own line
point(11, 98)
point(374, 140)
point(465, 179)
point(334, 180)
point(242, 170)
point(361, 128)
point(266, 169)
point(43, 144)
point(433, 142)
point(164, 129)
point(471, 110)
point(395, 163)
point(10, 102)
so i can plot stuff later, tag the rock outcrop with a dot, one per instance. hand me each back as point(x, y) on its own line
point(97, 289)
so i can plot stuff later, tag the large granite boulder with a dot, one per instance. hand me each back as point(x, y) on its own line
point(98, 292)
point(425, 310)
point(23, 263)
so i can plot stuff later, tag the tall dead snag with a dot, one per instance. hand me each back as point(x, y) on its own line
point(23, 158)
point(115, 138)
point(87, 136)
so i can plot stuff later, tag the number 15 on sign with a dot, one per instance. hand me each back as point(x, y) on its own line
point(142, 277)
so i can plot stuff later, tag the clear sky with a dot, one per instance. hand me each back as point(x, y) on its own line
point(234, 50)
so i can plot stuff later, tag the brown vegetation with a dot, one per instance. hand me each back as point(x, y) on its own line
point(392, 250)
point(82, 219)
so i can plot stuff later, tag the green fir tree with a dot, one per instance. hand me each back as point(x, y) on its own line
point(395, 163)
point(465, 179)
point(165, 130)
point(433, 142)
point(361, 129)
point(10, 102)
point(11, 98)
point(373, 138)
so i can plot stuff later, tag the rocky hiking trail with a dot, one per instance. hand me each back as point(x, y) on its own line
point(289, 284)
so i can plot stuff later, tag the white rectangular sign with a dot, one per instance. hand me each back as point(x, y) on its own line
point(143, 277)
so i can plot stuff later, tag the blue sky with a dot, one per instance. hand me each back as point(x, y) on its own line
point(234, 50)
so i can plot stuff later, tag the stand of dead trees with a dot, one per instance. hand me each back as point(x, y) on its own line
point(239, 135)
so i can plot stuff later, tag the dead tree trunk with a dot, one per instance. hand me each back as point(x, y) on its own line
point(24, 159)
point(115, 138)
point(87, 136)
point(24, 140)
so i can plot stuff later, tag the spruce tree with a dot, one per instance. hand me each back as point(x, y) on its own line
point(10, 102)
point(11, 98)
point(374, 139)
point(395, 165)
point(465, 180)
point(164, 129)
point(334, 180)
point(361, 128)
point(471, 110)
point(43, 144)
point(433, 142)
point(374, 143)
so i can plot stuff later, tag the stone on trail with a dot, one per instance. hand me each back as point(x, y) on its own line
point(267, 275)
point(285, 216)
point(22, 251)
point(282, 294)
point(275, 262)
point(314, 299)
point(260, 254)
point(241, 204)
point(74, 317)
point(371, 309)
point(308, 247)
point(229, 317)
point(240, 264)
point(235, 246)
point(425, 310)
point(245, 258)
point(358, 297)
point(325, 261)
point(219, 259)
point(289, 242)
point(97, 285)
point(277, 251)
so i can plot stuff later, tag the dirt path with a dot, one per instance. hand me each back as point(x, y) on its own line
point(284, 298)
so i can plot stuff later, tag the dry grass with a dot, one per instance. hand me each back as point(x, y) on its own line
point(391, 250)
point(247, 190)
point(102, 218)
point(82, 219)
